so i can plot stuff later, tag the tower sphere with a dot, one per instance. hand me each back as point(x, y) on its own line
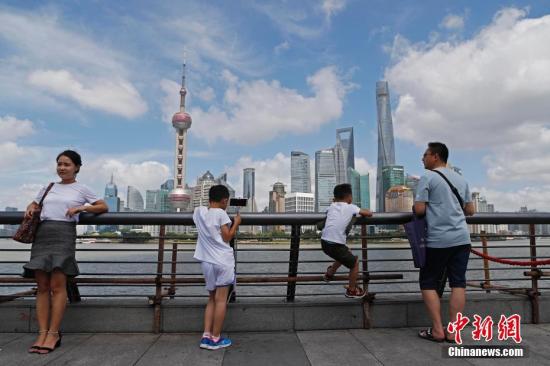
point(179, 198)
point(181, 121)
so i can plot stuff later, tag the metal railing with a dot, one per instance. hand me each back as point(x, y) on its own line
point(287, 268)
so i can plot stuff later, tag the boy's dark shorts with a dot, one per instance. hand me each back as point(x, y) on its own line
point(339, 252)
point(454, 260)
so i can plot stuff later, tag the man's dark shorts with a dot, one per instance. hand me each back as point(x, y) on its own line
point(454, 260)
point(339, 252)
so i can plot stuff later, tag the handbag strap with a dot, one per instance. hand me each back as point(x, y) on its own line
point(453, 188)
point(45, 194)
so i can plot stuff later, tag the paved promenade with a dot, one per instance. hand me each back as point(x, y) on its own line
point(383, 346)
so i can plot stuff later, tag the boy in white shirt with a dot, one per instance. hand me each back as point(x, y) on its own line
point(217, 262)
point(333, 238)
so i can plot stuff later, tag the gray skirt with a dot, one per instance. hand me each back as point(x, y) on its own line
point(53, 248)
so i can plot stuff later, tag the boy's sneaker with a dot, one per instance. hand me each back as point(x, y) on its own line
point(221, 343)
point(328, 277)
point(356, 293)
point(205, 343)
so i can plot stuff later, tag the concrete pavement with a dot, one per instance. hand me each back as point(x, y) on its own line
point(379, 346)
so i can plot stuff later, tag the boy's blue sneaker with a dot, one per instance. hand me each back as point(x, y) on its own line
point(205, 343)
point(221, 343)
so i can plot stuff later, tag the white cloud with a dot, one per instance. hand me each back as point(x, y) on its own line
point(207, 94)
point(43, 38)
point(268, 171)
point(332, 7)
point(43, 49)
point(12, 128)
point(526, 158)
point(207, 35)
point(293, 18)
point(171, 99)
point(95, 174)
point(283, 46)
point(22, 161)
point(115, 96)
point(19, 196)
point(25, 169)
point(364, 167)
point(11, 153)
point(303, 19)
point(488, 92)
point(257, 111)
point(142, 175)
point(452, 22)
point(510, 201)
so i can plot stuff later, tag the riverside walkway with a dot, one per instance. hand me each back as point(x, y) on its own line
point(382, 346)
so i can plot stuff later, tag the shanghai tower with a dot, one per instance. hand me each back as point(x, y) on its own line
point(386, 149)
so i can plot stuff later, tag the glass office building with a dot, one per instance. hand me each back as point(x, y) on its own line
point(300, 172)
point(325, 179)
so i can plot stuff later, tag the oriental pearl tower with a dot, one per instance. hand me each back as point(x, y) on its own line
point(179, 198)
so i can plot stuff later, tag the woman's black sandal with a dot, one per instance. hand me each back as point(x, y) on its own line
point(48, 349)
point(36, 349)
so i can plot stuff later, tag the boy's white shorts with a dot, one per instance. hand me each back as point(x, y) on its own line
point(217, 276)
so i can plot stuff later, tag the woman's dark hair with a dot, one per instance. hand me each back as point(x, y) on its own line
point(218, 193)
point(439, 149)
point(74, 156)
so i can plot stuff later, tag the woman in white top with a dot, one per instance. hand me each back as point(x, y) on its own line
point(53, 251)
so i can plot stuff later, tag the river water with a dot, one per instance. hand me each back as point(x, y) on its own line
point(383, 258)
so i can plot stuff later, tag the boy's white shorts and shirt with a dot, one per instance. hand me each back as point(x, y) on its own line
point(339, 215)
point(216, 256)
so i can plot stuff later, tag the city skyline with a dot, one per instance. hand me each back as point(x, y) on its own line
point(109, 89)
point(393, 176)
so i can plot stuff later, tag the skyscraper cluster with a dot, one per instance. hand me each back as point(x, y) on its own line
point(336, 165)
point(395, 190)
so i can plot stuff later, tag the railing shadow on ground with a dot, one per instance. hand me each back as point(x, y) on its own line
point(386, 262)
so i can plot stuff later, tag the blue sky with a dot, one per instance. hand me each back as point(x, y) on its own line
point(265, 78)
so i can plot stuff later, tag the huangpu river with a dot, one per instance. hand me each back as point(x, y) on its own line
point(380, 261)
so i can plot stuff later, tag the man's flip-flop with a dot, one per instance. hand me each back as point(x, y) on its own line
point(449, 340)
point(427, 334)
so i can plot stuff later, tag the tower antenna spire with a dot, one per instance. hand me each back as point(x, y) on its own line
point(183, 90)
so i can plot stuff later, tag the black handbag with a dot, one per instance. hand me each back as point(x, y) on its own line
point(27, 230)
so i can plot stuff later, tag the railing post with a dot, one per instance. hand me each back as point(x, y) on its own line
point(172, 290)
point(534, 292)
point(232, 292)
point(486, 271)
point(367, 323)
point(293, 261)
point(157, 301)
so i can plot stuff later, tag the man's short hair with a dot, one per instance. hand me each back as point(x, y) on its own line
point(218, 193)
point(440, 149)
point(341, 191)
